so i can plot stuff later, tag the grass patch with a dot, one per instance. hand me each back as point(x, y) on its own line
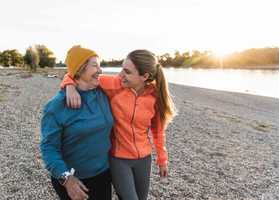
point(1, 98)
point(261, 126)
point(3, 91)
point(230, 118)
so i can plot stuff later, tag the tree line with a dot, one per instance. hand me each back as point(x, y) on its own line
point(41, 56)
point(34, 57)
point(255, 57)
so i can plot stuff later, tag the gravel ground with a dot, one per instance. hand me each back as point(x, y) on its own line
point(222, 146)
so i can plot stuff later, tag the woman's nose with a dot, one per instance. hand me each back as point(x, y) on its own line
point(121, 73)
point(99, 70)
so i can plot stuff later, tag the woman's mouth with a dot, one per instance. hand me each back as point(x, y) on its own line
point(124, 81)
point(96, 76)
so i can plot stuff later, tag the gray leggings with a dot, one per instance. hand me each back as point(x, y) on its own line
point(131, 178)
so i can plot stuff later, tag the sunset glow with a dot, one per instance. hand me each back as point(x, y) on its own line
point(114, 28)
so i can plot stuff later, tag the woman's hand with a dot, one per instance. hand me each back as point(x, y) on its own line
point(76, 189)
point(72, 97)
point(163, 171)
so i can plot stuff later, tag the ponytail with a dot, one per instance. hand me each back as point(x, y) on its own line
point(165, 104)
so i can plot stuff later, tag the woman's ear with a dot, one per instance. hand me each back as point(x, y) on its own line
point(146, 76)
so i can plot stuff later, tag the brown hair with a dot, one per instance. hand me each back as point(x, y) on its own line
point(146, 62)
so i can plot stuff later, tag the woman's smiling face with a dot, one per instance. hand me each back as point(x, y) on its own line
point(91, 73)
point(130, 76)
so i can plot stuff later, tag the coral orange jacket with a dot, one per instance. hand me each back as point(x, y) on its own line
point(135, 118)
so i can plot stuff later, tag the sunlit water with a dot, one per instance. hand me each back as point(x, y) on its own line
point(258, 82)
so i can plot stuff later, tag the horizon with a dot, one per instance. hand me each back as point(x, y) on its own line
point(113, 29)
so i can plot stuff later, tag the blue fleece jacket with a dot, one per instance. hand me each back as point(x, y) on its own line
point(76, 138)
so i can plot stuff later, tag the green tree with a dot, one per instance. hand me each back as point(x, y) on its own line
point(178, 59)
point(47, 58)
point(6, 58)
point(112, 63)
point(11, 58)
point(187, 59)
point(32, 58)
point(60, 64)
point(165, 59)
point(16, 58)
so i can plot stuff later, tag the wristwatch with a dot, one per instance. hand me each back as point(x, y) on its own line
point(65, 175)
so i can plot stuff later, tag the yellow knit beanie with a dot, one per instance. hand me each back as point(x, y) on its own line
point(76, 57)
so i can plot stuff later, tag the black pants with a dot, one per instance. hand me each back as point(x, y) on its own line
point(99, 187)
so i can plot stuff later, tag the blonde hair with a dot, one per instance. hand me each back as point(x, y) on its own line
point(146, 62)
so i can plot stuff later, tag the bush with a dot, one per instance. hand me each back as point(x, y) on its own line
point(11, 58)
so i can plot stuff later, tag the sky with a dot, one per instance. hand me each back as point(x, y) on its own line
point(113, 28)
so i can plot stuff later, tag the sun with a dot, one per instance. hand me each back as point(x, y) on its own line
point(222, 52)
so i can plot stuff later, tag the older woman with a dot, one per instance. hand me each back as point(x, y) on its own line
point(75, 143)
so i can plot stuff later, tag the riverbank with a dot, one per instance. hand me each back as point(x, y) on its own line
point(222, 145)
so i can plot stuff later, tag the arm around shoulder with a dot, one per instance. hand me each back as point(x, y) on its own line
point(110, 84)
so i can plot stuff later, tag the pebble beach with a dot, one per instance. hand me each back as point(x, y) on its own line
point(221, 145)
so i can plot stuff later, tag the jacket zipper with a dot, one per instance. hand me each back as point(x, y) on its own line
point(134, 135)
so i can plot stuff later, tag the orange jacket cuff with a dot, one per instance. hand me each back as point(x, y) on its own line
point(67, 80)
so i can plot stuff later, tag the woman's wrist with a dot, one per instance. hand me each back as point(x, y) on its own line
point(69, 181)
point(65, 176)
